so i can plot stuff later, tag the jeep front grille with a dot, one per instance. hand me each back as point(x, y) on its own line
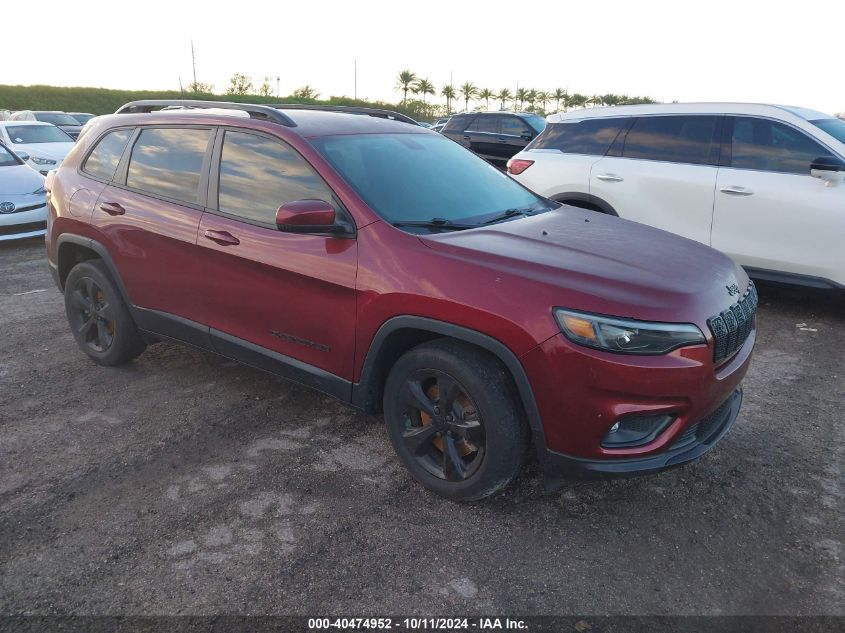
point(732, 326)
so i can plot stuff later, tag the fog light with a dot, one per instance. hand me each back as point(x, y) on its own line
point(636, 430)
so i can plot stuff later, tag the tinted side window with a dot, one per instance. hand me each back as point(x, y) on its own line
point(771, 146)
point(485, 123)
point(168, 162)
point(102, 161)
point(457, 123)
point(592, 136)
point(515, 126)
point(673, 139)
point(258, 175)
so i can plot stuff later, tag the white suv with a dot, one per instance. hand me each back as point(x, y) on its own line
point(762, 183)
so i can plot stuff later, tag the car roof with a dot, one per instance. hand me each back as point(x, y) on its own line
point(688, 108)
point(519, 114)
point(17, 123)
point(307, 123)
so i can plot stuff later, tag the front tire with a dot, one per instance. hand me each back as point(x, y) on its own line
point(454, 420)
point(99, 318)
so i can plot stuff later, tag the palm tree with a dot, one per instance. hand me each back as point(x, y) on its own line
point(578, 100)
point(468, 91)
point(449, 93)
point(521, 96)
point(543, 97)
point(504, 96)
point(486, 94)
point(557, 95)
point(595, 100)
point(404, 82)
point(531, 97)
point(424, 87)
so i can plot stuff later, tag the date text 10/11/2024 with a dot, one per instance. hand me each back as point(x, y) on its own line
point(416, 624)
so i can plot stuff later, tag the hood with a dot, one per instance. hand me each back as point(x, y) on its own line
point(56, 151)
point(17, 180)
point(593, 262)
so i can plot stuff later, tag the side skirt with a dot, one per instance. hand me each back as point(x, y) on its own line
point(162, 325)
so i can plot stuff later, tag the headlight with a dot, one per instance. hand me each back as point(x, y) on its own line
point(625, 336)
point(42, 161)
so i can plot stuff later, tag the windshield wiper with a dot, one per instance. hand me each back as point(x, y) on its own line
point(436, 223)
point(511, 213)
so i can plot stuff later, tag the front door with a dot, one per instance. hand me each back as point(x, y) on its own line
point(271, 296)
point(770, 213)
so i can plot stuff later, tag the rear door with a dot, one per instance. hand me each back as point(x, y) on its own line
point(149, 216)
point(514, 135)
point(662, 172)
point(264, 290)
point(770, 213)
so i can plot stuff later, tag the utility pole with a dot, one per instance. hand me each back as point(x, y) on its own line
point(194, 63)
point(181, 90)
point(277, 86)
point(355, 88)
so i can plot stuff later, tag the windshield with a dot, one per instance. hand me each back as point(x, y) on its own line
point(37, 134)
point(834, 127)
point(417, 177)
point(537, 122)
point(6, 158)
point(56, 118)
point(82, 118)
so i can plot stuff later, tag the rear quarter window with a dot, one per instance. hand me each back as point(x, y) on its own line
point(592, 136)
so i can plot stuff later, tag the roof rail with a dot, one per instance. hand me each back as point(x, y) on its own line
point(375, 112)
point(267, 113)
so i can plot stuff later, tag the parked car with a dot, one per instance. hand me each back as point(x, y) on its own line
point(82, 117)
point(43, 144)
point(438, 127)
point(424, 124)
point(495, 136)
point(23, 199)
point(62, 120)
point(762, 183)
point(477, 315)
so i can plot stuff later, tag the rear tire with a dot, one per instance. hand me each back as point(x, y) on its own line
point(454, 420)
point(99, 318)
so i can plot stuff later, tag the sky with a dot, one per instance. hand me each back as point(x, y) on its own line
point(693, 50)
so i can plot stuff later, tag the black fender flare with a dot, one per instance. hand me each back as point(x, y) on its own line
point(577, 196)
point(102, 252)
point(361, 391)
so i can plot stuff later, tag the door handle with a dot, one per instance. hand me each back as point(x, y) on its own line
point(610, 177)
point(503, 140)
point(112, 208)
point(737, 191)
point(466, 137)
point(224, 238)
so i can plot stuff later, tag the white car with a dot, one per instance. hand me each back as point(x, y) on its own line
point(762, 183)
point(42, 145)
point(23, 199)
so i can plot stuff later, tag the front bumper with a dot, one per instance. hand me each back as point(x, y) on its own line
point(23, 224)
point(696, 440)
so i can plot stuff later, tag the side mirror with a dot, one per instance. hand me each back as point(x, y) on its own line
point(23, 156)
point(829, 169)
point(310, 216)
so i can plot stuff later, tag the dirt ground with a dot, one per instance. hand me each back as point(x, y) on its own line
point(187, 484)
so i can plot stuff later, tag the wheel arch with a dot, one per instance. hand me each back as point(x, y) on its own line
point(72, 249)
point(401, 333)
point(585, 201)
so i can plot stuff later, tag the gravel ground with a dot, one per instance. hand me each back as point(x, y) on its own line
point(187, 484)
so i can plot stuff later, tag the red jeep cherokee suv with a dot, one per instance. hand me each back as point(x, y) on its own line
point(389, 267)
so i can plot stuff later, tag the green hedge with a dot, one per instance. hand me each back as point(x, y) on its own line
point(104, 101)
